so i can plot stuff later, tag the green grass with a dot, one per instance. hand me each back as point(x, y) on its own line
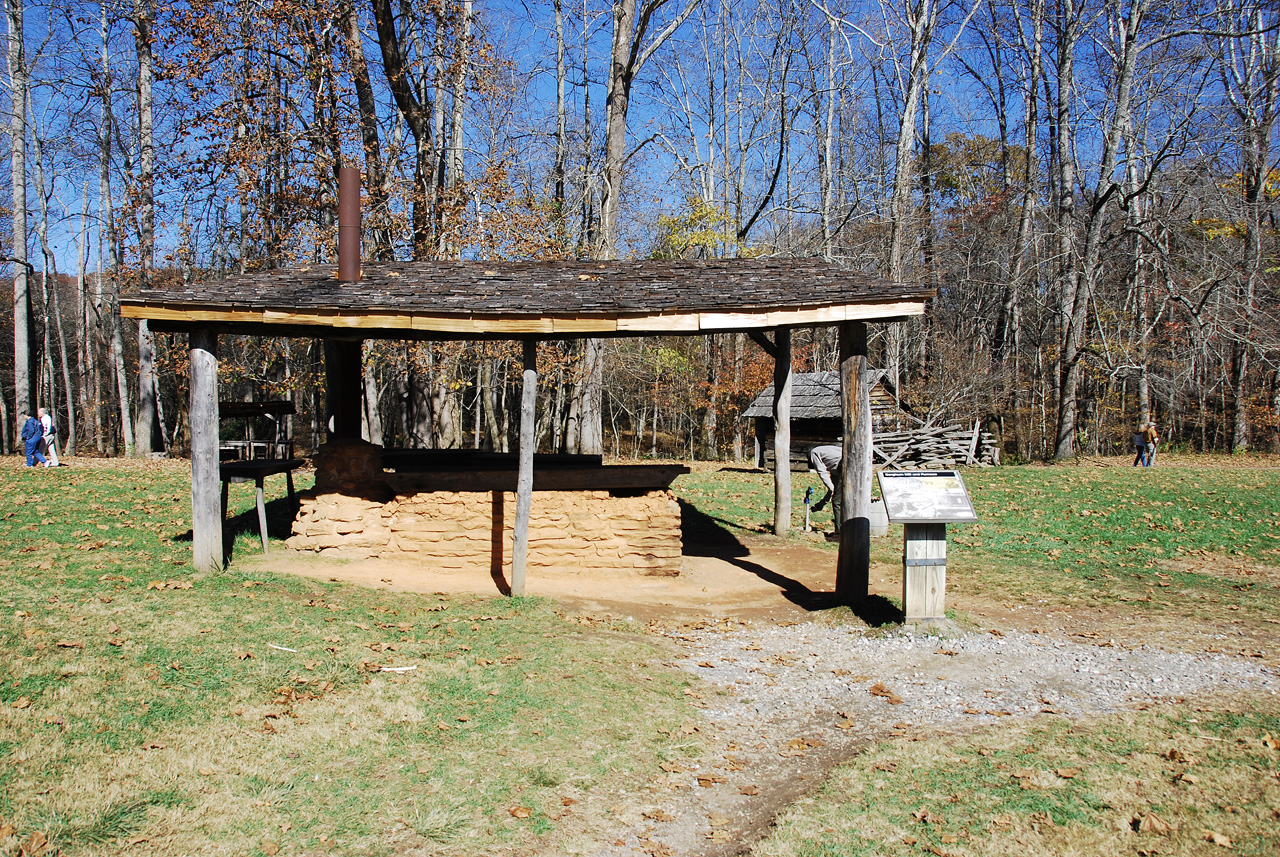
point(1053, 788)
point(220, 712)
point(1175, 539)
point(241, 712)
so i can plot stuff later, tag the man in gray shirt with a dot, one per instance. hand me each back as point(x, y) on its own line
point(825, 460)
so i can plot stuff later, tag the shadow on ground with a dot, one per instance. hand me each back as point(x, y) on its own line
point(709, 536)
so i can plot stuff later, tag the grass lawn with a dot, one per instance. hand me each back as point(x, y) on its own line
point(149, 710)
point(233, 714)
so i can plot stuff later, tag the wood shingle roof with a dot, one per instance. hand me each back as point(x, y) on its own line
point(505, 299)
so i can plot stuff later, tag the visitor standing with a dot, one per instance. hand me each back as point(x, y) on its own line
point(1140, 446)
point(1151, 438)
point(32, 433)
point(48, 437)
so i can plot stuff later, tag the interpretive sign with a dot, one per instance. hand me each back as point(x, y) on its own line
point(925, 497)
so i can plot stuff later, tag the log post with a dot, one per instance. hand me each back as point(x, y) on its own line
point(853, 570)
point(206, 503)
point(524, 480)
point(782, 431)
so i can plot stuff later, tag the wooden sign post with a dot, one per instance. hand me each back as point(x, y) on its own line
point(924, 502)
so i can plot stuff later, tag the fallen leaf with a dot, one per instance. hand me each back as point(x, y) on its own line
point(22, 702)
point(1217, 838)
point(659, 815)
point(720, 837)
point(923, 816)
point(567, 801)
point(70, 644)
point(878, 689)
point(1148, 822)
point(709, 780)
point(521, 811)
point(749, 790)
point(1269, 742)
point(270, 848)
point(1068, 773)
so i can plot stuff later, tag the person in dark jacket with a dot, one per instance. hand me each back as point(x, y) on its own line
point(32, 434)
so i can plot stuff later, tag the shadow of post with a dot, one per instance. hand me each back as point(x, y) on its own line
point(496, 559)
point(709, 536)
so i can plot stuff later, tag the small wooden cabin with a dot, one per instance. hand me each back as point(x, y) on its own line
point(815, 414)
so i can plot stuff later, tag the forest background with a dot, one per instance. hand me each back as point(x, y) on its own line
point(1089, 185)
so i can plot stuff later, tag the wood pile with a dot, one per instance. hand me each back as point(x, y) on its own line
point(936, 447)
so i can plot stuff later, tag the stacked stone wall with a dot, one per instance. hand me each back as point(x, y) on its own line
point(569, 531)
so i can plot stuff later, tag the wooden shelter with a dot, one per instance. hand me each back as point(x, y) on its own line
point(526, 301)
point(816, 414)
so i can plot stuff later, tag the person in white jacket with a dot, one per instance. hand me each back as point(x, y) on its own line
point(49, 441)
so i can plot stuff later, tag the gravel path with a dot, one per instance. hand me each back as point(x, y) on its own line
point(788, 701)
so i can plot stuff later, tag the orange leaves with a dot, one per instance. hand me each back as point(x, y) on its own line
point(169, 584)
point(878, 689)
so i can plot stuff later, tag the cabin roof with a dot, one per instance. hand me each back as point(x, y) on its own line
point(816, 396)
point(405, 300)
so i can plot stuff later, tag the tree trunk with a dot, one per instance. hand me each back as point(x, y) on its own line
point(144, 429)
point(23, 368)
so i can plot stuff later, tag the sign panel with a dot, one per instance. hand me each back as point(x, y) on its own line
point(925, 497)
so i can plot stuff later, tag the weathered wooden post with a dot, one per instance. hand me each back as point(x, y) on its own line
point(524, 480)
point(924, 572)
point(206, 505)
point(853, 569)
point(782, 431)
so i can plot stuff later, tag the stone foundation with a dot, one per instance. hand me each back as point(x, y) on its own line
point(358, 509)
point(569, 531)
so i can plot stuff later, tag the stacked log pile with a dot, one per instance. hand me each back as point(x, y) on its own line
point(936, 448)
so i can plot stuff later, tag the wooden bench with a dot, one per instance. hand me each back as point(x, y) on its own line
point(256, 471)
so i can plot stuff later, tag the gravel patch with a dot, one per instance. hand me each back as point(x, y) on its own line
point(786, 702)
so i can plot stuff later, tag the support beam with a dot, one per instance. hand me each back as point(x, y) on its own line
point(206, 502)
point(344, 379)
point(524, 479)
point(782, 431)
point(853, 570)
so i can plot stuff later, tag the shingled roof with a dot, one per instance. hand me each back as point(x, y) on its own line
point(478, 299)
point(815, 396)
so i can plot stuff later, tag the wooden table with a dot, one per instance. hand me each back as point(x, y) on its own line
point(256, 471)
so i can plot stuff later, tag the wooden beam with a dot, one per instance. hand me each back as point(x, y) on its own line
point(524, 481)
point(764, 342)
point(344, 381)
point(206, 501)
point(390, 322)
point(615, 477)
point(782, 431)
point(853, 569)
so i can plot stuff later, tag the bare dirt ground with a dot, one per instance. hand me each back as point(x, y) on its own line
point(790, 688)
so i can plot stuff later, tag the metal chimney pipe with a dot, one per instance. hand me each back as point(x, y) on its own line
point(348, 225)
